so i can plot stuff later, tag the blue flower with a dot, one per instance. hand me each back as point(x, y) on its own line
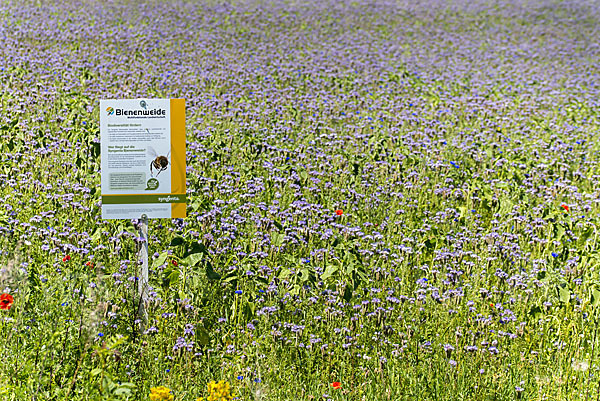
point(554, 254)
point(239, 292)
point(240, 377)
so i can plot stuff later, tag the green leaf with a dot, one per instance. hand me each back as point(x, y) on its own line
point(505, 206)
point(96, 236)
point(232, 275)
point(595, 298)
point(199, 247)
point(329, 271)
point(559, 231)
point(160, 260)
point(430, 243)
point(277, 239)
point(202, 336)
point(336, 242)
point(585, 236)
point(348, 293)
point(304, 274)
point(284, 273)
point(193, 259)
point(173, 276)
point(536, 312)
point(350, 266)
point(564, 295)
point(122, 391)
point(211, 273)
point(176, 241)
point(249, 310)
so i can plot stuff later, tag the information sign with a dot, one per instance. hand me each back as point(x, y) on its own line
point(143, 158)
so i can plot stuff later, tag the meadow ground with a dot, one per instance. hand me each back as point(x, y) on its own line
point(388, 200)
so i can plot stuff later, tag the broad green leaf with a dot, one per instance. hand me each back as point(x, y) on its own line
point(329, 271)
point(277, 239)
point(193, 259)
point(595, 298)
point(284, 273)
point(196, 247)
point(585, 236)
point(160, 260)
point(210, 273)
point(173, 276)
point(176, 241)
point(202, 336)
point(564, 295)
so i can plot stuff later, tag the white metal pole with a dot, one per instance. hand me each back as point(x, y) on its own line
point(143, 280)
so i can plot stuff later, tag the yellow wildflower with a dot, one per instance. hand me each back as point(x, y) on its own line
point(218, 392)
point(161, 394)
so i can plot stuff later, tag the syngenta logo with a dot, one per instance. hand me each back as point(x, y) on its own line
point(110, 111)
point(168, 199)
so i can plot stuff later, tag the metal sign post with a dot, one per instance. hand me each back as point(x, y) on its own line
point(143, 279)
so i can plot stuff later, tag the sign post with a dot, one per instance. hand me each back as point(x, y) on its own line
point(142, 156)
point(143, 280)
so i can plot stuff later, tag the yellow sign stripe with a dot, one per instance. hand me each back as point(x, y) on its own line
point(178, 154)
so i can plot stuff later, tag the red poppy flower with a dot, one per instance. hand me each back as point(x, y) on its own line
point(336, 385)
point(66, 258)
point(565, 207)
point(89, 264)
point(174, 262)
point(339, 212)
point(6, 301)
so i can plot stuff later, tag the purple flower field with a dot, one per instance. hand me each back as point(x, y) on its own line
point(387, 200)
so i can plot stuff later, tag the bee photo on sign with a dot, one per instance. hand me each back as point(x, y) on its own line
point(158, 163)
